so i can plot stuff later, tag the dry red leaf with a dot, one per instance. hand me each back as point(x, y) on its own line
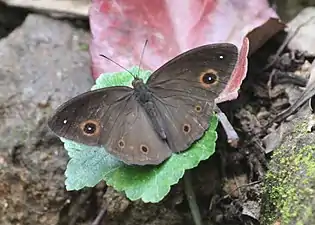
point(120, 28)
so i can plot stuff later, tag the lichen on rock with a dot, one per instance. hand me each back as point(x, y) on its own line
point(289, 190)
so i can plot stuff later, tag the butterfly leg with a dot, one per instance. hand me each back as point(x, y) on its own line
point(228, 128)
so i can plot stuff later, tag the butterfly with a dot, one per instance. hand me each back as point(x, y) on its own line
point(148, 122)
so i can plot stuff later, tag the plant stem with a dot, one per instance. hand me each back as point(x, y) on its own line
point(191, 198)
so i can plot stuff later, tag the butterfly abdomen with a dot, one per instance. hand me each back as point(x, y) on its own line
point(144, 97)
point(155, 118)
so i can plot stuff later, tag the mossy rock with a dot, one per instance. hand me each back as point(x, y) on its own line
point(289, 189)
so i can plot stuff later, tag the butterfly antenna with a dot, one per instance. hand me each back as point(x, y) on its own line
point(141, 57)
point(117, 64)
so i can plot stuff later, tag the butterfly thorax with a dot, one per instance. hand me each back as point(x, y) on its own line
point(144, 96)
point(141, 91)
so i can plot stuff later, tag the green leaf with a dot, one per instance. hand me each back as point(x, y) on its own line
point(89, 165)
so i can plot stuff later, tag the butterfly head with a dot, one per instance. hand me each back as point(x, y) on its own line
point(137, 82)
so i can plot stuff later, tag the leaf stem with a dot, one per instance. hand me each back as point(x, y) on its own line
point(191, 198)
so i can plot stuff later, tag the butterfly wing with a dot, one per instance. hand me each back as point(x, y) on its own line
point(184, 90)
point(134, 140)
point(111, 117)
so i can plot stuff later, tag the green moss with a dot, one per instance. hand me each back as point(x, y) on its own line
point(289, 182)
point(300, 129)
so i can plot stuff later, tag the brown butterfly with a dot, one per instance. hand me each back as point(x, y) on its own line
point(147, 123)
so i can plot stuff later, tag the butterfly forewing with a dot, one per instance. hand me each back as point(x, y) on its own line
point(220, 58)
point(112, 118)
point(94, 109)
point(185, 88)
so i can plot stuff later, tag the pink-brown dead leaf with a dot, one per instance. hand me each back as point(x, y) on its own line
point(120, 28)
point(261, 34)
point(230, 92)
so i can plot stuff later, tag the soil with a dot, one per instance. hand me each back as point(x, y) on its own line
point(227, 186)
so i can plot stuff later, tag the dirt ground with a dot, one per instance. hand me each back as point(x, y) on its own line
point(34, 80)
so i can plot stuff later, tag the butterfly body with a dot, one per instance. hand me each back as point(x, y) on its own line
point(144, 97)
point(147, 123)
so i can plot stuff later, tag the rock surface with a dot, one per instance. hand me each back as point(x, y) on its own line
point(70, 8)
point(301, 28)
point(289, 184)
point(42, 64)
point(10, 18)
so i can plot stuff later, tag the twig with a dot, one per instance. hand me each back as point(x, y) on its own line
point(285, 43)
point(74, 212)
point(237, 184)
point(239, 187)
point(308, 93)
point(100, 216)
point(191, 198)
point(231, 134)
